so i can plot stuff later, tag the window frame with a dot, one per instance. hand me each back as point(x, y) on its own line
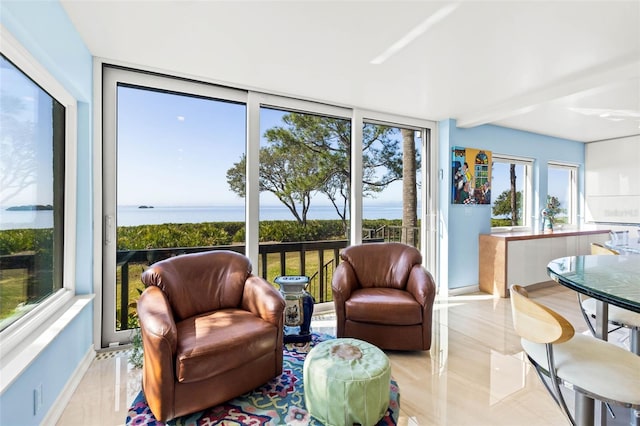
point(527, 199)
point(573, 169)
point(255, 100)
point(111, 77)
point(26, 328)
point(428, 192)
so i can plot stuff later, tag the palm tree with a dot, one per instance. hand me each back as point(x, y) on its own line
point(514, 204)
point(409, 196)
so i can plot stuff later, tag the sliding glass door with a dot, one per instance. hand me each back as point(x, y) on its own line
point(189, 166)
point(167, 147)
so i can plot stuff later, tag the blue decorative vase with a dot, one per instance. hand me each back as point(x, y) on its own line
point(299, 308)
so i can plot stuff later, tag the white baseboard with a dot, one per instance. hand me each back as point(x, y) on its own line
point(463, 290)
point(323, 308)
point(54, 414)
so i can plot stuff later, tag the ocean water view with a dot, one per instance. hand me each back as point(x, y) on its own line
point(133, 215)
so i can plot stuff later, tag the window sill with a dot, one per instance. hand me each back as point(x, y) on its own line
point(34, 339)
point(498, 229)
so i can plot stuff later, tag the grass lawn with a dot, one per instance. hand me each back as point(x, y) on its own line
point(13, 290)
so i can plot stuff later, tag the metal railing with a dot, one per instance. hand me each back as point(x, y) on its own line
point(327, 252)
point(27, 262)
point(392, 233)
point(291, 258)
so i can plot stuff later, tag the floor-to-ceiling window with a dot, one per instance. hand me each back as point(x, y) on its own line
point(190, 166)
point(304, 174)
point(167, 153)
point(391, 183)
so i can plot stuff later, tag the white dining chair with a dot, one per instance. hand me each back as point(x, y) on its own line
point(592, 367)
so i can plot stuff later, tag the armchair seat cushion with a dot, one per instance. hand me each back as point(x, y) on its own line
point(220, 341)
point(388, 306)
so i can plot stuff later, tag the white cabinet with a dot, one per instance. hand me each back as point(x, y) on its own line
point(612, 193)
point(528, 259)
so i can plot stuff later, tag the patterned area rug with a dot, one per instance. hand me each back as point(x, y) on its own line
point(279, 402)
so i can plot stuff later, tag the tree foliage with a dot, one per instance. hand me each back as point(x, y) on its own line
point(18, 162)
point(310, 154)
point(503, 205)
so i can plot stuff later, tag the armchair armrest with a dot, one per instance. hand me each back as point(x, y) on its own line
point(159, 340)
point(264, 300)
point(344, 282)
point(156, 318)
point(421, 285)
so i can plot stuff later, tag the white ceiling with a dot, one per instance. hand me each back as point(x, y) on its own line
point(563, 68)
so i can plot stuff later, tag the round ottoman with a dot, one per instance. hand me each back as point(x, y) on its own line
point(346, 381)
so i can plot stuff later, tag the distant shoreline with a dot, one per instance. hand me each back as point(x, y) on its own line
point(134, 216)
point(30, 207)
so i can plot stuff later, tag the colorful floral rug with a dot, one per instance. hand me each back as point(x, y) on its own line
point(279, 402)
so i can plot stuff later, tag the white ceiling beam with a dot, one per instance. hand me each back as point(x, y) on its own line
point(625, 68)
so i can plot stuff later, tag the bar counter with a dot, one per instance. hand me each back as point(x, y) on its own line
point(507, 258)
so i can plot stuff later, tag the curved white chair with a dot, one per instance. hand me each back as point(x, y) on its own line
point(591, 367)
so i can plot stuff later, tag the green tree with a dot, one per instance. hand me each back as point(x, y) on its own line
point(310, 154)
point(289, 172)
point(503, 206)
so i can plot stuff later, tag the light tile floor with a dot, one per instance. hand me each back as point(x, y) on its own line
point(474, 374)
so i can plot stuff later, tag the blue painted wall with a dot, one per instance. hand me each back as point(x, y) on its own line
point(45, 30)
point(461, 225)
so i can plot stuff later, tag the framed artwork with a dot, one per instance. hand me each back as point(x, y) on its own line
point(470, 176)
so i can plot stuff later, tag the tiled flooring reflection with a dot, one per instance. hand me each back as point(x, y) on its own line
point(474, 374)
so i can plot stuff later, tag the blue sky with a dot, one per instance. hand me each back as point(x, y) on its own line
point(176, 150)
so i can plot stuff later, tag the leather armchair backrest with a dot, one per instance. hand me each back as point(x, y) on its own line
point(382, 264)
point(200, 282)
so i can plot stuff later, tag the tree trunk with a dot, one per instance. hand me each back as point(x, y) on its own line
point(514, 199)
point(409, 196)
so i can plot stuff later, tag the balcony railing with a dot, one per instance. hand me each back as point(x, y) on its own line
point(316, 259)
point(392, 233)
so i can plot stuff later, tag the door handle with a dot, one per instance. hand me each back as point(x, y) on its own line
point(108, 229)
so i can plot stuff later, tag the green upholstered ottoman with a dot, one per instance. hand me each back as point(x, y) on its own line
point(346, 381)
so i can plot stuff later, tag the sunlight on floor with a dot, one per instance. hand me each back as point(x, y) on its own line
point(475, 372)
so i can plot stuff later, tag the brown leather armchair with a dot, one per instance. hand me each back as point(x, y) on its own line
point(211, 331)
point(383, 295)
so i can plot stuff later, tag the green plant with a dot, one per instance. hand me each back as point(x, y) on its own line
point(552, 208)
point(136, 355)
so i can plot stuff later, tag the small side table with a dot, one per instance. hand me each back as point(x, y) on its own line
point(298, 309)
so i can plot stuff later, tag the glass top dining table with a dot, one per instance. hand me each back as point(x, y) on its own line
point(611, 279)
